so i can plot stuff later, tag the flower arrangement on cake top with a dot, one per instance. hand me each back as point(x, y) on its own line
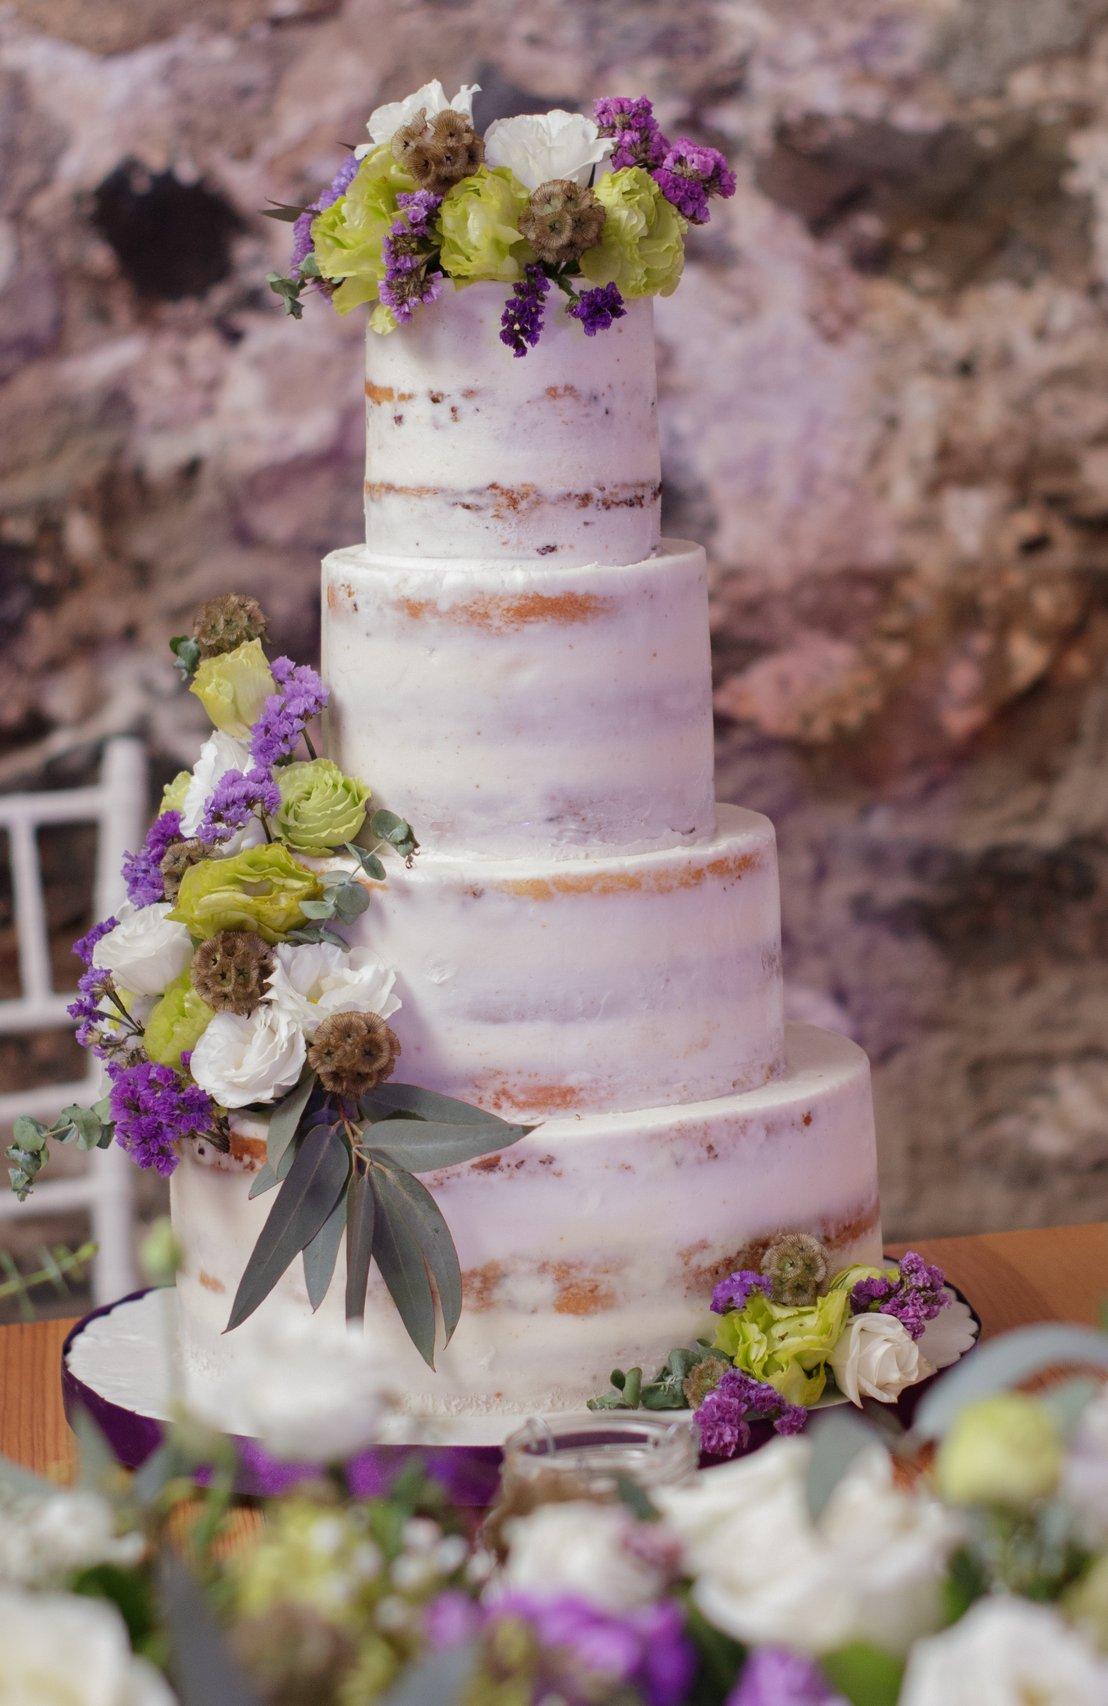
point(793, 1331)
point(224, 985)
point(597, 207)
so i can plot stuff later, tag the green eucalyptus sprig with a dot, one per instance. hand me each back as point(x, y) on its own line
point(667, 1389)
point(344, 898)
point(341, 1166)
point(58, 1267)
point(86, 1128)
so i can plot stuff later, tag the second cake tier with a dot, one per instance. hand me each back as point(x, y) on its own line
point(542, 986)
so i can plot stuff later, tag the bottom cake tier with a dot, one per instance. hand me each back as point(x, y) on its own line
point(593, 1243)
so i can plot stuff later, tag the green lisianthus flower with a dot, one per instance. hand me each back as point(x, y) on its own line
point(234, 687)
point(641, 248)
point(1005, 1450)
point(348, 237)
point(320, 807)
point(173, 794)
point(176, 1023)
point(847, 1278)
point(261, 890)
point(480, 227)
point(787, 1347)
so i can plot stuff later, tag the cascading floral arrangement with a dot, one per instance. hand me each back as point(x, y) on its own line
point(792, 1329)
point(597, 207)
point(224, 985)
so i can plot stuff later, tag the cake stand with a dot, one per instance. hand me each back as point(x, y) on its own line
point(118, 1367)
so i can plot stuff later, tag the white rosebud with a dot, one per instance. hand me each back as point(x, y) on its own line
point(70, 1650)
point(312, 981)
point(253, 1059)
point(581, 1548)
point(876, 1357)
point(1005, 1650)
point(146, 950)
point(384, 122)
point(541, 146)
point(219, 754)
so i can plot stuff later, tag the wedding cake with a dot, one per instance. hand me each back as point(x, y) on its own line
point(586, 942)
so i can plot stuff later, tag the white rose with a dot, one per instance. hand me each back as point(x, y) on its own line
point(253, 1059)
point(43, 1540)
point(146, 950)
point(1002, 1653)
point(67, 1650)
point(876, 1357)
point(871, 1569)
point(384, 122)
point(541, 146)
point(219, 754)
point(310, 982)
point(308, 1388)
point(596, 1551)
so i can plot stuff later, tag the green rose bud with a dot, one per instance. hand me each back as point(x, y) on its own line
point(641, 247)
point(260, 890)
point(173, 794)
point(233, 687)
point(788, 1347)
point(1004, 1450)
point(176, 1023)
point(348, 237)
point(480, 227)
point(320, 807)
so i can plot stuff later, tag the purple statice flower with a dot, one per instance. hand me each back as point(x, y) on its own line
point(645, 1650)
point(301, 696)
point(154, 1110)
point(450, 1618)
point(302, 227)
point(522, 319)
point(235, 799)
point(772, 1676)
point(596, 309)
point(103, 1030)
point(638, 135)
point(85, 945)
point(689, 174)
point(734, 1291)
point(724, 1416)
point(914, 1294)
point(142, 871)
point(407, 284)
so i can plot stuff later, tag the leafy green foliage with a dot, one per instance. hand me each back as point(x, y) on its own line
point(665, 1392)
point(316, 1180)
point(1004, 1363)
point(838, 1440)
point(289, 290)
point(864, 1674)
point(396, 831)
point(284, 211)
point(343, 899)
point(28, 1152)
point(186, 656)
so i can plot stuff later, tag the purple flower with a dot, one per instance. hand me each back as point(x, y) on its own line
point(142, 871)
point(154, 1110)
point(772, 1676)
point(734, 1291)
point(277, 731)
point(450, 1618)
point(84, 946)
point(97, 1030)
point(638, 136)
point(407, 284)
point(914, 1294)
point(723, 1418)
point(522, 320)
point(645, 1650)
point(302, 227)
point(234, 800)
point(596, 309)
point(689, 174)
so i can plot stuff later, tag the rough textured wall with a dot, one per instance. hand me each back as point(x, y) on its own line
point(886, 389)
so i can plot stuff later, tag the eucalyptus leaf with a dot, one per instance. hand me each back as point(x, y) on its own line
point(838, 1440)
point(265, 1179)
point(29, 1134)
point(387, 826)
point(423, 1146)
point(429, 1229)
point(22, 1484)
point(864, 1674)
point(286, 1117)
point(324, 908)
point(1003, 1363)
point(322, 1253)
point(398, 1252)
point(315, 1180)
point(390, 1098)
point(202, 1666)
point(361, 1212)
point(369, 862)
point(283, 211)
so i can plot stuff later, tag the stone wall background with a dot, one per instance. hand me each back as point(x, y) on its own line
point(885, 386)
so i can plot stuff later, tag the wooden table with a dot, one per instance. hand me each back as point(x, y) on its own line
point(1011, 1278)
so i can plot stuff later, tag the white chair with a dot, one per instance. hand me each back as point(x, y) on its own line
point(117, 804)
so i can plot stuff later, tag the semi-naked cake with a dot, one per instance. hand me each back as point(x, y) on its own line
point(586, 942)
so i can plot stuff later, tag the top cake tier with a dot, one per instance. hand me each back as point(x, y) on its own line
point(473, 452)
